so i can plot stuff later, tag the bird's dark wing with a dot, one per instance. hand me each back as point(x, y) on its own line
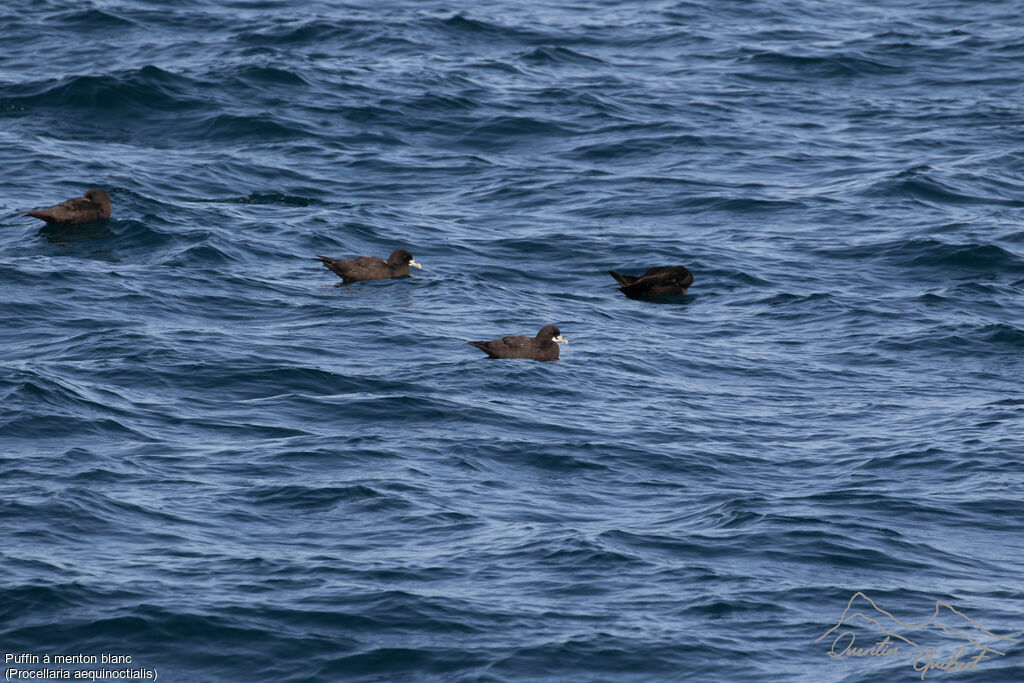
point(368, 262)
point(73, 211)
point(515, 343)
point(506, 347)
point(677, 275)
point(667, 269)
point(357, 269)
point(660, 281)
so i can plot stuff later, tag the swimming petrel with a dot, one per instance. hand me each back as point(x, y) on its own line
point(93, 206)
point(541, 347)
point(364, 268)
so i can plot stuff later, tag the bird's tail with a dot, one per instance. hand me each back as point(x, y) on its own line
point(41, 215)
point(624, 280)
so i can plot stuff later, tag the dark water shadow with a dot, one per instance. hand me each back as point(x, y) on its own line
point(65, 235)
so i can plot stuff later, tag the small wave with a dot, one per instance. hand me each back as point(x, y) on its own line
point(837, 65)
point(975, 340)
point(253, 379)
point(962, 256)
point(317, 31)
point(112, 240)
point(920, 183)
point(310, 498)
point(28, 599)
point(512, 130)
point(1008, 402)
point(638, 147)
point(932, 190)
point(925, 460)
point(931, 253)
point(558, 55)
point(553, 458)
point(92, 19)
point(433, 102)
point(261, 198)
point(661, 545)
point(237, 128)
point(44, 401)
point(199, 255)
point(602, 656)
point(1003, 334)
point(27, 426)
point(463, 26)
point(581, 552)
point(149, 89)
point(269, 75)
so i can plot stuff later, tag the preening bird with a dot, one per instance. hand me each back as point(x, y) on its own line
point(93, 206)
point(657, 281)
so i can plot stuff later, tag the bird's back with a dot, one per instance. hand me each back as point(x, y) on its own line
point(71, 212)
point(518, 347)
point(357, 269)
point(659, 281)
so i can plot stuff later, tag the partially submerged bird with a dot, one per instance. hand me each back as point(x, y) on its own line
point(364, 268)
point(541, 347)
point(657, 281)
point(93, 206)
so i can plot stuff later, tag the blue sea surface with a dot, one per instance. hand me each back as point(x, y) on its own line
point(218, 460)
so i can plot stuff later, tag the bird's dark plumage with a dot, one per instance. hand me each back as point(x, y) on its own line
point(657, 281)
point(542, 347)
point(364, 268)
point(93, 206)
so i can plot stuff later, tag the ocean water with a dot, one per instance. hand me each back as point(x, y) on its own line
point(217, 460)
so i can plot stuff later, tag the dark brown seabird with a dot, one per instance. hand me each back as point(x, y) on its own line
point(657, 281)
point(93, 206)
point(363, 268)
point(541, 347)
